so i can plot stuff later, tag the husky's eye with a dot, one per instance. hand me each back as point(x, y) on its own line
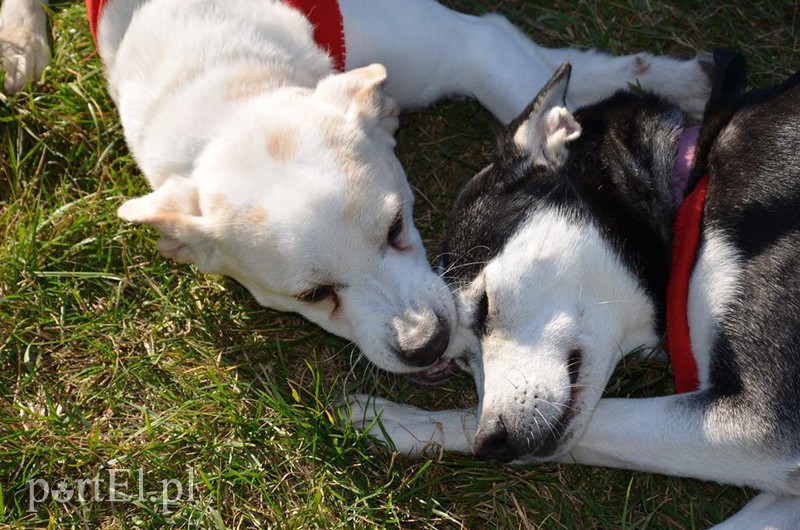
point(481, 315)
point(394, 238)
point(574, 364)
point(318, 294)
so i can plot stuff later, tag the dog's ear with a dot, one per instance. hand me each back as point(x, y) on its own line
point(545, 127)
point(174, 210)
point(360, 92)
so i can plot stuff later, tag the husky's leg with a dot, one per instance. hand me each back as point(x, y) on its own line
point(766, 512)
point(687, 435)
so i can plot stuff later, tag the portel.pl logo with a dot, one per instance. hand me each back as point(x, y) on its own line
point(114, 486)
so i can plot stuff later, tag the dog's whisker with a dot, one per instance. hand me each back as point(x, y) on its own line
point(577, 386)
point(456, 267)
point(609, 302)
point(558, 406)
point(547, 422)
point(359, 355)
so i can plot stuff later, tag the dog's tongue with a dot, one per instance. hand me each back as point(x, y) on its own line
point(684, 161)
point(438, 373)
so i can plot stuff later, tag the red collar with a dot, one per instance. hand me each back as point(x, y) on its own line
point(685, 240)
point(324, 15)
point(94, 8)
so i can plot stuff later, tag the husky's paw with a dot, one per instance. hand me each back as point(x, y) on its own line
point(24, 51)
point(409, 430)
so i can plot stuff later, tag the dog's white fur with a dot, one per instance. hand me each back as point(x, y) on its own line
point(714, 283)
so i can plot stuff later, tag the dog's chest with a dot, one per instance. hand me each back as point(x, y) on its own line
point(713, 286)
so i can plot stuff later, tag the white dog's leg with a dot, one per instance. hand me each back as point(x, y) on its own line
point(679, 436)
point(766, 512)
point(24, 49)
point(413, 431)
point(597, 74)
point(432, 52)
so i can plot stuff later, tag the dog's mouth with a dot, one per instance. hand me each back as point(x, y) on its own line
point(500, 445)
point(436, 374)
point(560, 435)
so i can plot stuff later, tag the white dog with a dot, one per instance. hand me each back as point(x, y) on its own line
point(272, 167)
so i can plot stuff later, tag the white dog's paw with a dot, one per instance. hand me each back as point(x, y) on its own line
point(404, 428)
point(596, 75)
point(685, 83)
point(24, 50)
point(409, 430)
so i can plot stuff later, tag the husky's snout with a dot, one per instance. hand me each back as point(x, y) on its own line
point(492, 441)
point(508, 435)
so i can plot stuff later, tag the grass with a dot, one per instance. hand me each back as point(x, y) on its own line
point(114, 360)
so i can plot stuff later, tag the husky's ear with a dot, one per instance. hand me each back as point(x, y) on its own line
point(544, 129)
point(174, 210)
point(360, 93)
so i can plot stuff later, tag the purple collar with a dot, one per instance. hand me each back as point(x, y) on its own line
point(684, 161)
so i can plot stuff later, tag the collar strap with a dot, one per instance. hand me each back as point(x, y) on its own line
point(94, 8)
point(326, 18)
point(685, 240)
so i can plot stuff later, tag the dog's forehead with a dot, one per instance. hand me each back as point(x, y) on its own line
point(472, 237)
point(487, 213)
point(551, 245)
point(288, 156)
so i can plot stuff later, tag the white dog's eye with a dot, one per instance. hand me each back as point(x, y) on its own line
point(394, 238)
point(319, 294)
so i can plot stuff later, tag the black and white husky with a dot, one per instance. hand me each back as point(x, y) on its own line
point(561, 252)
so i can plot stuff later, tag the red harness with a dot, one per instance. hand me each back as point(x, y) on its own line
point(324, 15)
point(685, 240)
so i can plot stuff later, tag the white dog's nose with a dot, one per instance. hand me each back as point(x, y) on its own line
point(431, 349)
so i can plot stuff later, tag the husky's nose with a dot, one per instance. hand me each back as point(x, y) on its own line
point(492, 441)
point(432, 349)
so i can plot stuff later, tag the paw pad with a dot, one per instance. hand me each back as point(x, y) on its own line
point(641, 65)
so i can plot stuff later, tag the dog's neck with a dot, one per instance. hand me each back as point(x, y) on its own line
point(681, 189)
point(664, 264)
point(639, 212)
